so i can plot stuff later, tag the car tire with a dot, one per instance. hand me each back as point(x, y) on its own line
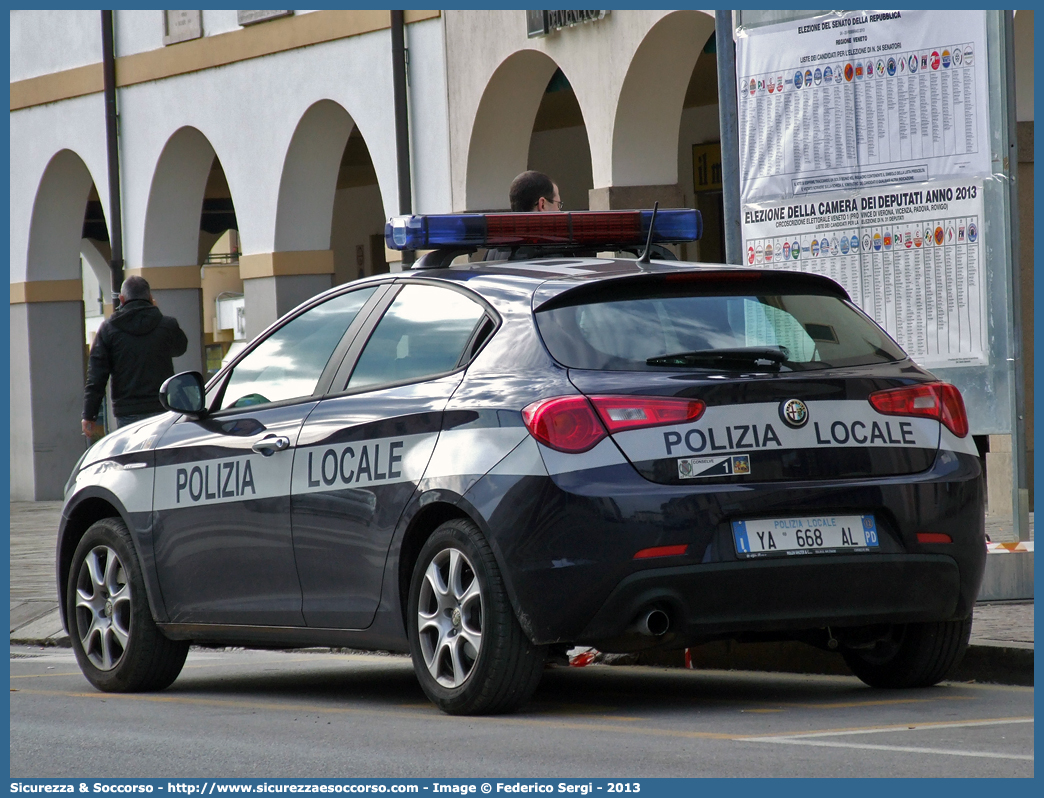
point(914, 655)
point(116, 642)
point(469, 651)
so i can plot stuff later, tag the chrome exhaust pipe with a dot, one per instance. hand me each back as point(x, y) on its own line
point(654, 623)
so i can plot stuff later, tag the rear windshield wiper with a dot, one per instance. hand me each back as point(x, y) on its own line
point(739, 357)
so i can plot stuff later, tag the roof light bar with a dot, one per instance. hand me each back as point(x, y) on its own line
point(581, 228)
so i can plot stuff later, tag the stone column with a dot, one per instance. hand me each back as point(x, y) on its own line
point(277, 282)
point(48, 354)
point(618, 198)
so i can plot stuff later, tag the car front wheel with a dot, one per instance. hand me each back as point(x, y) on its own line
point(911, 655)
point(469, 652)
point(117, 644)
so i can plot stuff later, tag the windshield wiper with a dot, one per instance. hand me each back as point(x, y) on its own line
point(739, 357)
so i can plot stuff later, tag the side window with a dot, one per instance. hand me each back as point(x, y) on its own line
point(288, 363)
point(423, 333)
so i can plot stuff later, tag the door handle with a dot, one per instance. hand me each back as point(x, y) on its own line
point(270, 445)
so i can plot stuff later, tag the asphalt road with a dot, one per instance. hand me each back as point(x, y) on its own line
point(301, 714)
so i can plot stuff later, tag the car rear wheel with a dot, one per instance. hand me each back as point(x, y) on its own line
point(469, 652)
point(117, 644)
point(912, 655)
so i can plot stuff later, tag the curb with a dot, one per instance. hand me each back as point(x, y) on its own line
point(1009, 572)
point(42, 630)
point(997, 662)
point(1001, 663)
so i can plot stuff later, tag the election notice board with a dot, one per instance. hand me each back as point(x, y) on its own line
point(864, 141)
point(910, 257)
point(865, 99)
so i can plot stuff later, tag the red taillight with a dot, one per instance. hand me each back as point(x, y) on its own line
point(933, 537)
point(565, 423)
point(661, 551)
point(570, 424)
point(954, 415)
point(620, 413)
point(938, 400)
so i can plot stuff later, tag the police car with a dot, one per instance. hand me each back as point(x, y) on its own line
point(482, 462)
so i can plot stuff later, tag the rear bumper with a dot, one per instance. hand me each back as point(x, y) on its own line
point(566, 546)
point(704, 601)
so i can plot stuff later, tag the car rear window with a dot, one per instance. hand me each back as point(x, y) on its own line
point(722, 326)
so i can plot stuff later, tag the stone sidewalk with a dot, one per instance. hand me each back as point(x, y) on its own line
point(1000, 629)
point(34, 601)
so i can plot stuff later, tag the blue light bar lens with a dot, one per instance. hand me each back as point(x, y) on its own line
point(437, 231)
point(464, 230)
point(674, 226)
point(401, 232)
point(442, 231)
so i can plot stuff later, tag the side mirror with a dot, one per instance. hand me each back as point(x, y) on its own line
point(184, 393)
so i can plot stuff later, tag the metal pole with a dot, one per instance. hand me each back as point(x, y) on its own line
point(1019, 486)
point(727, 115)
point(113, 147)
point(402, 120)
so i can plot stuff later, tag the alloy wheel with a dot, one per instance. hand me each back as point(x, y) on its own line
point(449, 617)
point(103, 608)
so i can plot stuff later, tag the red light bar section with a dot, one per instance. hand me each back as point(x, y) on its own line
point(535, 229)
point(514, 229)
point(661, 551)
point(623, 227)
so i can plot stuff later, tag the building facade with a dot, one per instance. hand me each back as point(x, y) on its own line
point(257, 158)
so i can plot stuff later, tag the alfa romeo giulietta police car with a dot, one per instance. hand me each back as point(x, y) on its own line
point(480, 462)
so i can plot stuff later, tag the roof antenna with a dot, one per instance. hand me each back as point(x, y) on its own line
point(648, 241)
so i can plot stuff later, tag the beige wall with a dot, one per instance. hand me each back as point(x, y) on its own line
point(216, 280)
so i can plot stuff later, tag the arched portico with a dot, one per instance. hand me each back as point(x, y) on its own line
point(301, 264)
point(559, 144)
point(172, 242)
point(329, 206)
point(47, 335)
point(309, 178)
point(648, 114)
point(500, 136)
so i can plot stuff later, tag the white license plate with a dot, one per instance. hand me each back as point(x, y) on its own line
point(825, 534)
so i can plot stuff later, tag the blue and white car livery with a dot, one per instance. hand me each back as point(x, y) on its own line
point(484, 462)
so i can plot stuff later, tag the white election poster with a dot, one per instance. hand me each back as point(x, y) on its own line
point(911, 257)
point(862, 99)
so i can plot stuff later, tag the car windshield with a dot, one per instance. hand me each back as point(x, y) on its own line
point(717, 327)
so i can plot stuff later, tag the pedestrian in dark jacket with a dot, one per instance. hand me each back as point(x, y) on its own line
point(136, 347)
